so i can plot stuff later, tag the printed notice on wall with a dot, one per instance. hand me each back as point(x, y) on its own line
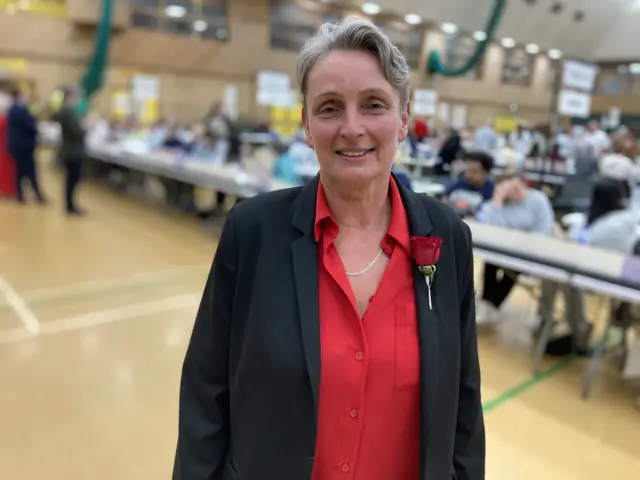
point(273, 88)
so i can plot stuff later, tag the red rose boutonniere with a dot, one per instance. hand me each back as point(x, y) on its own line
point(426, 252)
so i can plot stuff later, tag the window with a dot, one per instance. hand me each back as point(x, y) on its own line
point(517, 67)
point(191, 18)
point(144, 20)
point(458, 50)
point(409, 42)
point(292, 24)
point(614, 80)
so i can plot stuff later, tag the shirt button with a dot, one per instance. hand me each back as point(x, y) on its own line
point(359, 355)
point(345, 467)
point(353, 413)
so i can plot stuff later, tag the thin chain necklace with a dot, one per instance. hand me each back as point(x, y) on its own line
point(367, 268)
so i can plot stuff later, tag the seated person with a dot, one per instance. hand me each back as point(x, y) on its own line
point(518, 207)
point(285, 167)
point(449, 152)
point(476, 177)
point(173, 140)
point(402, 175)
point(617, 231)
point(611, 192)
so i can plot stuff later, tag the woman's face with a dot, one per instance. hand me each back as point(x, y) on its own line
point(353, 118)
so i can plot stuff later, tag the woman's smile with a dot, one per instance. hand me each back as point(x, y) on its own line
point(353, 155)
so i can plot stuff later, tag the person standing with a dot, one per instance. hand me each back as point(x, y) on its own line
point(22, 139)
point(327, 346)
point(72, 147)
point(7, 167)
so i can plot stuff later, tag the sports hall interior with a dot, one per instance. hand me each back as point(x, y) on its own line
point(97, 308)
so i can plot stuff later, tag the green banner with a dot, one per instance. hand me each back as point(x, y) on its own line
point(93, 79)
point(434, 65)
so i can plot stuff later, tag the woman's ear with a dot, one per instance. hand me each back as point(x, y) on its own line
point(307, 131)
point(405, 119)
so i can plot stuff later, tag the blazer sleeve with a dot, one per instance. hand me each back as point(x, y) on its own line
point(203, 424)
point(469, 450)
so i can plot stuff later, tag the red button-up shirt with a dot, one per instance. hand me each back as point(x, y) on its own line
point(369, 406)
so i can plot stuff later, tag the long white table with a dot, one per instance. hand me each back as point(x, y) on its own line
point(584, 267)
point(227, 178)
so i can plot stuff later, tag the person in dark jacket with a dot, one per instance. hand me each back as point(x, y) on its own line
point(72, 147)
point(22, 140)
point(611, 191)
point(449, 152)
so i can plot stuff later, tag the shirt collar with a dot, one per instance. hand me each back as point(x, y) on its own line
point(398, 225)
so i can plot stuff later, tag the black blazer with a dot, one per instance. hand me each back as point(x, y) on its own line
point(22, 131)
point(72, 147)
point(250, 380)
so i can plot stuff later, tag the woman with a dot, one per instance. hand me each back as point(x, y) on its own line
point(320, 350)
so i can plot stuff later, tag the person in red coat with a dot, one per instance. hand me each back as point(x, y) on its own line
point(420, 129)
point(7, 167)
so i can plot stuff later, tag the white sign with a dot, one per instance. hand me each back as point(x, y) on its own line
point(145, 87)
point(574, 104)
point(273, 88)
point(579, 75)
point(424, 102)
point(459, 117)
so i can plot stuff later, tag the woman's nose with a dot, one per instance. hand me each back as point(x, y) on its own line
point(353, 124)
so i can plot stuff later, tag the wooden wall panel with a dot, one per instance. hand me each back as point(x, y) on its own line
point(41, 37)
point(628, 103)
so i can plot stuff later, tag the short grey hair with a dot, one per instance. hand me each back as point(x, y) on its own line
point(358, 35)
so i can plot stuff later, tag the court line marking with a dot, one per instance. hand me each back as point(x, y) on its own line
point(110, 284)
point(19, 306)
point(102, 317)
point(522, 387)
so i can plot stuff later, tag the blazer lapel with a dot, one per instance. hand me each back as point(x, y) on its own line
point(305, 267)
point(420, 225)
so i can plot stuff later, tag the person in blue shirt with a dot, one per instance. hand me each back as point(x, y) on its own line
point(476, 176)
point(402, 175)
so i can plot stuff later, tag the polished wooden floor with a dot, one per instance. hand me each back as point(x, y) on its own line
point(95, 314)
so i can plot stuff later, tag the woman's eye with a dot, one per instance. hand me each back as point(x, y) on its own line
point(376, 106)
point(327, 110)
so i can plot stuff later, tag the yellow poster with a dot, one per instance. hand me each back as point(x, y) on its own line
point(285, 121)
point(149, 111)
point(506, 124)
point(13, 64)
point(120, 104)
